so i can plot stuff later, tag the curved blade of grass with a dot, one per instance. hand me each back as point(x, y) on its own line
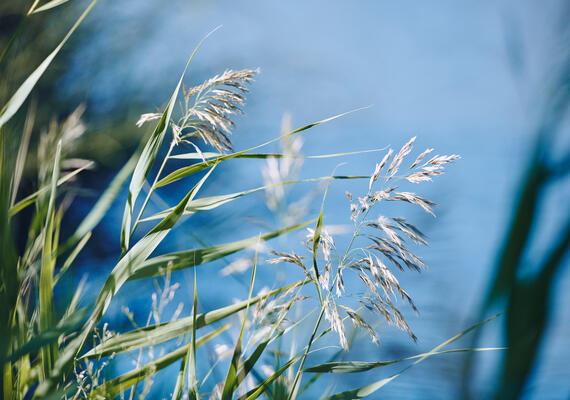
point(148, 155)
point(347, 367)
point(371, 388)
point(316, 239)
point(191, 169)
point(116, 386)
point(190, 354)
point(47, 312)
point(31, 199)
point(140, 252)
point(230, 384)
point(191, 258)
point(26, 88)
point(156, 334)
point(49, 5)
point(196, 156)
point(192, 380)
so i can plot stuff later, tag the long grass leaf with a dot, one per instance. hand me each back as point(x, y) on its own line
point(347, 367)
point(192, 381)
point(156, 334)
point(49, 5)
point(189, 170)
point(191, 258)
point(116, 386)
point(140, 252)
point(367, 390)
point(26, 88)
point(46, 311)
point(208, 155)
point(230, 384)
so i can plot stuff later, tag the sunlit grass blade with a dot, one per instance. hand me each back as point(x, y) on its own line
point(191, 169)
point(47, 312)
point(148, 155)
point(230, 384)
point(116, 386)
point(48, 6)
point(208, 155)
point(373, 387)
point(316, 239)
point(32, 198)
point(212, 202)
point(190, 354)
point(156, 334)
point(346, 367)
point(192, 258)
point(26, 88)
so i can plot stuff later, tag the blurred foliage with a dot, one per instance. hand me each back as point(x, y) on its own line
point(527, 300)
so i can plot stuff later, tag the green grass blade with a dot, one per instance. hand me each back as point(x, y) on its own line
point(26, 88)
point(49, 5)
point(47, 312)
point(230, 385)
point(347, 367)
point(196, 156)
point(191, 169)
point(148, 155)
point(192, 381)
point(192, 258)
point(373, 387)
point(140, 252)
point(156, 334)
point(116, 386)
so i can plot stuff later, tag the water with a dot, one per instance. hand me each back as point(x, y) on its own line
point(465, 78)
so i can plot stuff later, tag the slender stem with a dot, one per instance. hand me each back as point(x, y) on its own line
point(298, 375)
point(147, 198)
point(354, 235)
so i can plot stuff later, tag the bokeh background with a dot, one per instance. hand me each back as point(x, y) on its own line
point(487, 80)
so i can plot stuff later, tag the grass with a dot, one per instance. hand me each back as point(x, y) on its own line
point(47, 351)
